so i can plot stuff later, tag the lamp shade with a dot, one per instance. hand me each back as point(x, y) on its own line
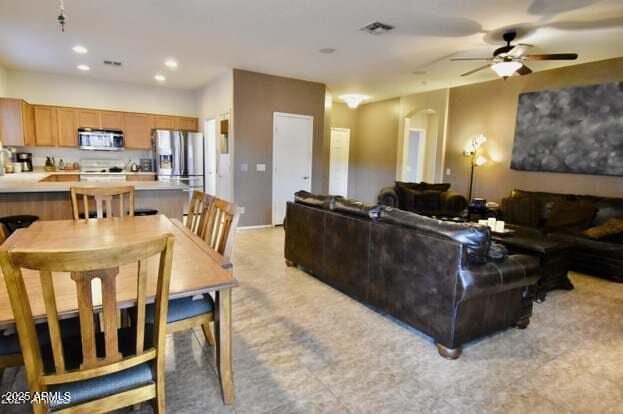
point(480, 160)
point(506, 69)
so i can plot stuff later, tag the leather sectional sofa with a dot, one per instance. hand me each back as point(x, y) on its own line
point(424, 198)
point(579, 220)
point(441, 278)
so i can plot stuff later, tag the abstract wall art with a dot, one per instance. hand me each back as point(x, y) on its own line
point(573, 130)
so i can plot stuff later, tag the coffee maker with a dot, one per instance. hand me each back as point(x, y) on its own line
point(25, 160)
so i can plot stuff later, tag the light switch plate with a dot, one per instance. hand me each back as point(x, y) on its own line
point(260, 167)
point(448, 171)
point(244, 167)
point(241, 210)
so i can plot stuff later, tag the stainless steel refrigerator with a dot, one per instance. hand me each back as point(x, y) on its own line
point(179, 157)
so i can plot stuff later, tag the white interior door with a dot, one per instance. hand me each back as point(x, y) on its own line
point(223, 178)
point(338, 161)
point(210, 156)
point(413, 150)
point(292, 159)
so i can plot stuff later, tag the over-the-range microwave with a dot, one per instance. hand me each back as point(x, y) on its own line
point(100, 139)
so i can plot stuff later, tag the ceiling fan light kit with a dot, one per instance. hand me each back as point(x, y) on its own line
point(508, 60)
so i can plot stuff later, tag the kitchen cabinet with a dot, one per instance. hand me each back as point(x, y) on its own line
point(46, 126)
point(89, 118)
point(67, 127)
point(112, 120)
point(186, 124)
point(137, 130)
point(16, 122)
point(61, 178)
point(141, 177)
point(164, 122)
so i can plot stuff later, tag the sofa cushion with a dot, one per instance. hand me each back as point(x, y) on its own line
point(314, 200)
point(475, 238)
point(354, 207)
point(427, 200)
point(522, 210)
point(570, 215)
point(613, 226)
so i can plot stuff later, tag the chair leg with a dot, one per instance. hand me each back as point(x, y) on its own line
point(208, 334)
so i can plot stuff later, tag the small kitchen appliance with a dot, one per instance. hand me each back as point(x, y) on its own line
point(24, 159)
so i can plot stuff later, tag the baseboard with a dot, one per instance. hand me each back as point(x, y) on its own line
point(262, 226)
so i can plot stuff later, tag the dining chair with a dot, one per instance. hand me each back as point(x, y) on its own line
point(105, 198)
point(220, 218)
point(195, 209)
point(100, 371)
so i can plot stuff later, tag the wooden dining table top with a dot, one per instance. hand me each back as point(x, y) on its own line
point(196, 267)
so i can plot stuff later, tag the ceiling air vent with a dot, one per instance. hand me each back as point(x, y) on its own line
point(112, 63)
point(377, 28)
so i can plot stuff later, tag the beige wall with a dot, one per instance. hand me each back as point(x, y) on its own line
point(3, 81)
point(256, 97)
point(373, 152)
point(491, 108)
point(86, 92)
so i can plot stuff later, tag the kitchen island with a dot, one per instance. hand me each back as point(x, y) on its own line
point(41, 194)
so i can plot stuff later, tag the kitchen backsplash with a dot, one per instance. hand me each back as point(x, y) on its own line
point(71, 155)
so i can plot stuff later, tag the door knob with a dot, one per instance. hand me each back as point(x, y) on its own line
point(305, 178)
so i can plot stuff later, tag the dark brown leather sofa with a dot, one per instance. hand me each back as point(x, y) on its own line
point(424, 198)
point(568, 217)
point(437, 277)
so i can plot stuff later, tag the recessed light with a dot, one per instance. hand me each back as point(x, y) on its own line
point(171, 63)
point(79, 49)
point(84, 67)
point(327, 50)
point(159, 77)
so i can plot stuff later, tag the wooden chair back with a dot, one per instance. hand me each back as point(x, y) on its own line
point(220, 226)
point(195, 210)
point(104, 198)
point(207, 204)
point(3, 234)
point(82, 266)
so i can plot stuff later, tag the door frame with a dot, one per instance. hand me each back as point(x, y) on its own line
point(347, 154)
point(274, 164)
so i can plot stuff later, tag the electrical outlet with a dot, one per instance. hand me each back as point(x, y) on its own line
point(244, 167)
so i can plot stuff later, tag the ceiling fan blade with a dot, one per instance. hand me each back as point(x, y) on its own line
point(524, 70)
point(553, 56)
point(475, 70)
point(471, 59)
point(519, 50)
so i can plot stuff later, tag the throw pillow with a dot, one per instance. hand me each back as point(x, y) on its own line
point(570, 215)
point(521, 210)
point(609, 228)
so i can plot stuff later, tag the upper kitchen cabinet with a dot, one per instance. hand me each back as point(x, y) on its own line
point(137, 130)
point(112, 120)
point(16, 122)
point(46, 126)
point(164, 122)
point(89, 118)
point(186, 124)
point(67, 127)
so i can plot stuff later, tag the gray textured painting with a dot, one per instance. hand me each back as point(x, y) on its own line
point(574, 130)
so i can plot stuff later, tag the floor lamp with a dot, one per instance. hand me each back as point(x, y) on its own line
point(476, 159)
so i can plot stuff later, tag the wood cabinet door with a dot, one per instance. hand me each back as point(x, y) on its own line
point(164, 122)
point(67, 127)
point(112, 120)
point(11, 122)
point(28, 112)
point(137, 130)
point(89, 118)
point(186, 124)
point(46, 127)
point(67, 177)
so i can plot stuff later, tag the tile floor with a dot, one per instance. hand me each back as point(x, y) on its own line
point(302, 347)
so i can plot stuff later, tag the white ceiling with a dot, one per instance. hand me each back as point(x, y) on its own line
point(283, 37)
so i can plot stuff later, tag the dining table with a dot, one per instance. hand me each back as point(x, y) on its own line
point(197, 269)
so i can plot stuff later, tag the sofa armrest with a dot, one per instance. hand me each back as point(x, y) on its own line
point(494, 277)
point(453, 202)
point(388, 197)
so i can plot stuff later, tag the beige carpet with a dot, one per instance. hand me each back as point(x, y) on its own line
point(302, 347)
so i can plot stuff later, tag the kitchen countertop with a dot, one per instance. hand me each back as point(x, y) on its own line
point(30, 182)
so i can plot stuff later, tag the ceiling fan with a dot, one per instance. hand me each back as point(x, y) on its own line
point(510, 59)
